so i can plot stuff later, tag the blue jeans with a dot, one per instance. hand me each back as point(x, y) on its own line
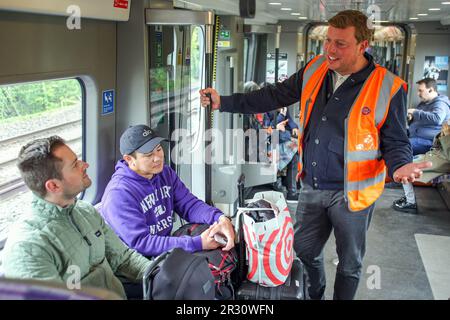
point(318, 212)
point(292, 169)
point(420, 145)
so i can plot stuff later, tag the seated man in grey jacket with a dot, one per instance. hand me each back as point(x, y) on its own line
point(63, 239)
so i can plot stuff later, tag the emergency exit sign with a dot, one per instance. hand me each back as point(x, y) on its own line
point(224, 35)
point(224, 39)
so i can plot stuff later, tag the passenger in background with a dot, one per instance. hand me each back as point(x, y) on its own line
point(282, 121)
point(426, 119)
point(64, 239)
point(439, 155)
point(140, 200)
point(258, 122)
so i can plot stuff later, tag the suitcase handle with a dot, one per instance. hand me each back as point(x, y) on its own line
point(242, 272)
point(241, 184)
point(242, 268)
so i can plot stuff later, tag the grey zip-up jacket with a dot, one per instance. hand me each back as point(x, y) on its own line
point(429, 117)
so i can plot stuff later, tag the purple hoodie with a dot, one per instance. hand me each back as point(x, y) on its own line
point(140, 210)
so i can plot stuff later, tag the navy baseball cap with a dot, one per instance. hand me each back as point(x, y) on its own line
point(139, 138)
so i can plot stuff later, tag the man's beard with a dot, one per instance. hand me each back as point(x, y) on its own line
point(69, 195)
point(72, 194)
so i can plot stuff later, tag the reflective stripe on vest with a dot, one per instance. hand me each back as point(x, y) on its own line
point(364, 169)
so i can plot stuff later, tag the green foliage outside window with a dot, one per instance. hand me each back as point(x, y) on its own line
point(196, 59)
point(33, 98)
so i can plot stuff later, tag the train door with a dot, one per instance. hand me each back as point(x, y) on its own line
point(177, 63)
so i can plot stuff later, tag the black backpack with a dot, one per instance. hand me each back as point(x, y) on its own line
point(260, 215)
point(178, 275)
point(221, 263)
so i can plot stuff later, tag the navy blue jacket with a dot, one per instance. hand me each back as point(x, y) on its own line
point(323, 153)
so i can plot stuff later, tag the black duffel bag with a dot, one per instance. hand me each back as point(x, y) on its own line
point(221, 263)
point(178, 275)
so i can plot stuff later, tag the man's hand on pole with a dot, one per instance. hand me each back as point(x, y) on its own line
point(209, 95)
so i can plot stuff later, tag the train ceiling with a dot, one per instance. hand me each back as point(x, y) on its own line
point(272, 11)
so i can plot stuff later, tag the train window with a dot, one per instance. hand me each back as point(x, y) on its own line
point(194, 124)
point(29, 111)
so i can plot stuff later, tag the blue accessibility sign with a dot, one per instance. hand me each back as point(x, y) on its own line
point(107, 101)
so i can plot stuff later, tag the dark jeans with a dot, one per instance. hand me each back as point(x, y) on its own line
point(291, 174)
point(133, 290)
point(318, 212)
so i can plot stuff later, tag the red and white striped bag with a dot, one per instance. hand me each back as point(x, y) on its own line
point(269, 244)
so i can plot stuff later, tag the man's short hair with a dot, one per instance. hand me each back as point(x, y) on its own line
point(250, 86)
point(37, 163)
point(353, 18)
point(429, 83)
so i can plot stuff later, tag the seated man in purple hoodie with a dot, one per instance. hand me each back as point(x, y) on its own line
point(140, 200)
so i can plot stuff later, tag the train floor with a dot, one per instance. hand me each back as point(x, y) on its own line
point(407, 255)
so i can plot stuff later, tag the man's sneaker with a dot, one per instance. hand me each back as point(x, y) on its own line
point(292, 197)
point(278, 185)
point(400, 201)
point(403, 206)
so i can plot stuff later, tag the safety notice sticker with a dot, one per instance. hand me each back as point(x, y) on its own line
point(123, 4)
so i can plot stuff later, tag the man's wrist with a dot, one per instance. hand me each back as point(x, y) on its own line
point(222, 217)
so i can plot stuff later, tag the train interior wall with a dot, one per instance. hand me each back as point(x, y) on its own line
point(432, 40)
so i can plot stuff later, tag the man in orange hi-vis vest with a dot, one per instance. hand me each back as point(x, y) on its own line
point(352, 132)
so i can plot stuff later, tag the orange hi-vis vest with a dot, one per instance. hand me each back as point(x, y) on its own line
point(364, 169)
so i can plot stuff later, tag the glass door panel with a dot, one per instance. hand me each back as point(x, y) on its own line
point(176, 76)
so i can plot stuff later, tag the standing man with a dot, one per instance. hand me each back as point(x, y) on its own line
point(63, 239)
point(352, 125)
point(427, 118)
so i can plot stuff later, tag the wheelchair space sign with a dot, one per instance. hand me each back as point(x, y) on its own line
point(107, 101)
